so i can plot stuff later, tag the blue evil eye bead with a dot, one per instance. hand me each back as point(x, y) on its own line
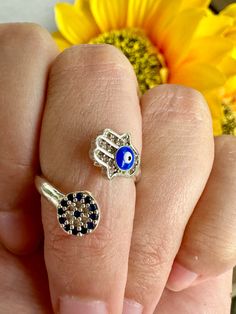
point(125, 158)
point(78, 213)
point(115, 154)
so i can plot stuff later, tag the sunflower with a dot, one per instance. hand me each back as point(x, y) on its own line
point(171, 41)
point(227, 98)
point(228, 94)
point(224, 97)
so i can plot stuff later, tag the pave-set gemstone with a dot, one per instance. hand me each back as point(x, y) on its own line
point(78, 213)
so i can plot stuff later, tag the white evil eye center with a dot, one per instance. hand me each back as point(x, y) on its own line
point(128, 157)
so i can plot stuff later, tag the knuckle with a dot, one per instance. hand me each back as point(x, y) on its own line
point(226, 146)
point(97, 244)
point(150, 253)
point(32, 36)
point(210, 256)
point(106, 60)
point(223, 254)
point(100, 242)
point(176, 103)
point(149, 259)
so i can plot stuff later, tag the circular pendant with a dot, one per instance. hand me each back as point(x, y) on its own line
point(78, 213)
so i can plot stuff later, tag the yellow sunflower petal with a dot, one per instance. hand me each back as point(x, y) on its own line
point(76, 26)
point(217, 127)
point(109, 14)
point(164, 15)
point(140, 12)
point(215, 105)
point(231, 34)
point(82, 5)
point(181, 31)
point(213, 25)
point(203, 77)
point(228, 66)
point(210, 49)
point(195, 3)
point(230, 10)
point(230, 86)
point(61, 42)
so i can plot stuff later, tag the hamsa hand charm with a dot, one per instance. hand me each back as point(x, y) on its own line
point(115, 154)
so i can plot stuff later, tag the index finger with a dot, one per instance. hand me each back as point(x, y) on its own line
point(22, 90)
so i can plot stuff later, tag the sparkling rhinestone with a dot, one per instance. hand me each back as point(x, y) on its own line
point(79, 196)
point(88, 199)
point(90, 225)
point(93, 207)
point(62, 220)
point(77, 214)
point(93, 216)
point(67, 227)
point(70, 197)
point(83, 230)
point(60, 211)
point(75, 231)
point(63, 203)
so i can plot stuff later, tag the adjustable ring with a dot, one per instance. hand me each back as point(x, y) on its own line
point(77, 212)
point(115, 154)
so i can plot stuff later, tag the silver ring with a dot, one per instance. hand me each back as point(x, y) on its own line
point(115, 154)
point(78, 212)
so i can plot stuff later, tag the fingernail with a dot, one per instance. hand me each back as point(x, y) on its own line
point(74, 305)
point(180, 278)
point(132, 307)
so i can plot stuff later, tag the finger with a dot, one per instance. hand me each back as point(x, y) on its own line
point(209, 244)
point(90, 88)
point(212, 297)
point(24, 283)
point(25, 56)
point(176, 162)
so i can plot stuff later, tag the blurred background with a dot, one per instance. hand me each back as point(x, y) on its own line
point(41, 12)
point(220, 4)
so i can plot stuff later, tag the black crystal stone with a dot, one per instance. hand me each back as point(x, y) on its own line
point(93, 216)
point(90, 225)
point(62, 220)
point(63, 203)
point(79, 196)
point(60, 211)
point(70, 197)
point(77, 214)
point(75, 231)
point(93, 207)
point(67, 227)
point(88, 199)
point(83, 230)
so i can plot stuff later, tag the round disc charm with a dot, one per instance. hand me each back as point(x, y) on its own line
point(78, 213)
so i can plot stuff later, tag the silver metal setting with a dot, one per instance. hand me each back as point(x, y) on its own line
point(78, 212)
point(104, 150)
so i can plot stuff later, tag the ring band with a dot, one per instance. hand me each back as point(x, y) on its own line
point(78, 212)
point(115, 154)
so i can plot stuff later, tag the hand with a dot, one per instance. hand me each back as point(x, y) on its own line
point(180, 213)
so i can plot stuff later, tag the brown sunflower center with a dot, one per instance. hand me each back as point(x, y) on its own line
point(148, 63)
point(229, 120)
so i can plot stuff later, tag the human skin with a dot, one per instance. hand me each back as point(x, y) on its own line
point(177, 222)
